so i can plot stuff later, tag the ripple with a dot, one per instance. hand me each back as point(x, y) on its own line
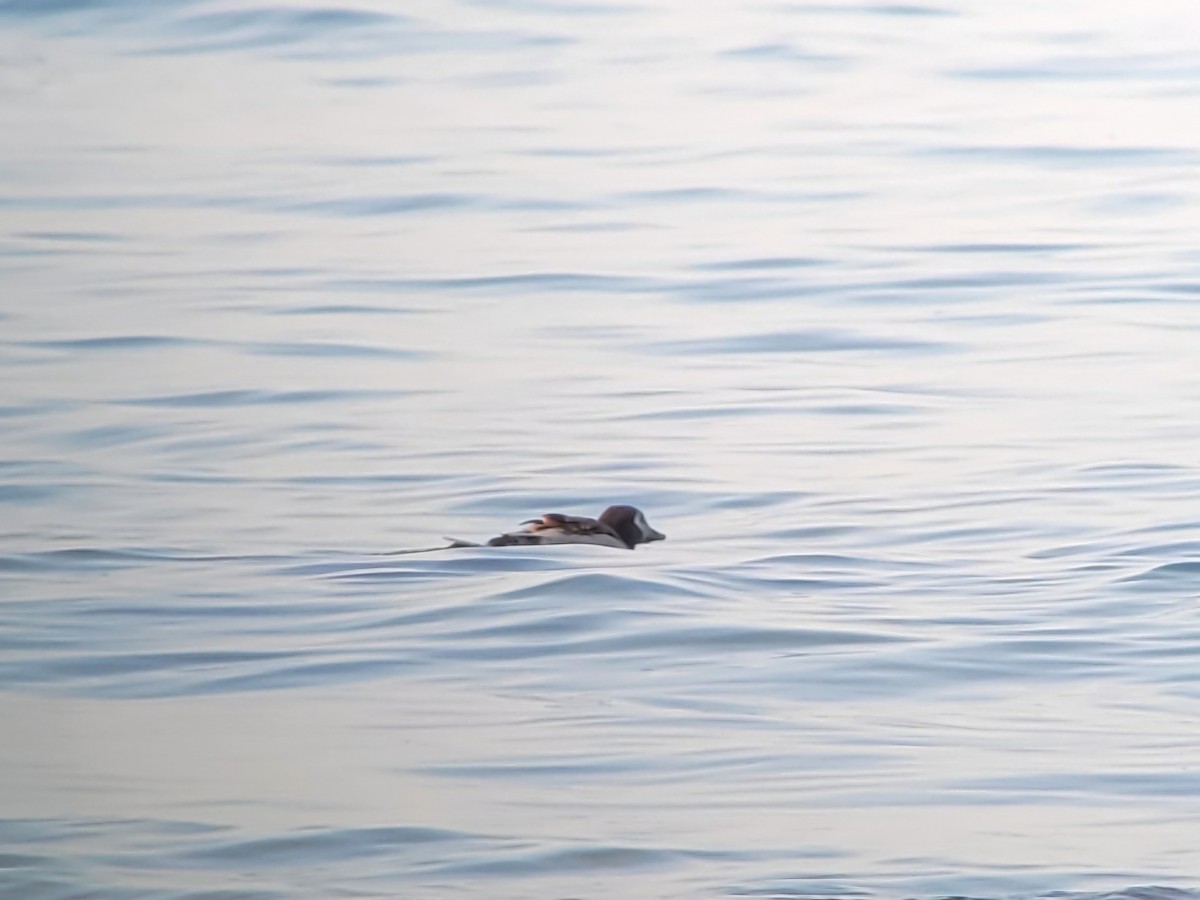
point(768, 263)
point(116, 343)
point(343, 309)
point(540, 282)
point(799, 342)
point(326, 845)
point(389, 206)
point(595, 584)
point(783, 52)
point(1176, 572)
point(334, 350)
point(569, 860)
point(236, 398)
point(1062, 155)
point(1163, 786)
point(81, 558)
point(29, 493)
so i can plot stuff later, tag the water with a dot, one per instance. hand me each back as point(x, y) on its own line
point(884, 313)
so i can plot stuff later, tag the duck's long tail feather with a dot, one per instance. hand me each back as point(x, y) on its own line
point(454, 544)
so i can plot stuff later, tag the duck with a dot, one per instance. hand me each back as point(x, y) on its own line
point(621, 527)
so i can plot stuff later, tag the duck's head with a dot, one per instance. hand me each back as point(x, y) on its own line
point(631, 525)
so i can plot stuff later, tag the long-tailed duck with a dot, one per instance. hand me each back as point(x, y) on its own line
point(623, 527)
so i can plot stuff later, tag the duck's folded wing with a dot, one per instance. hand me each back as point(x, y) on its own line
point(572, 525)
point(550, 528)
point(556, 528)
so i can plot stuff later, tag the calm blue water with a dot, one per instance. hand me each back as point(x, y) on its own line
point(885, 313)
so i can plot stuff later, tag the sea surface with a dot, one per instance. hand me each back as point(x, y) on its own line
point(887, 314)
